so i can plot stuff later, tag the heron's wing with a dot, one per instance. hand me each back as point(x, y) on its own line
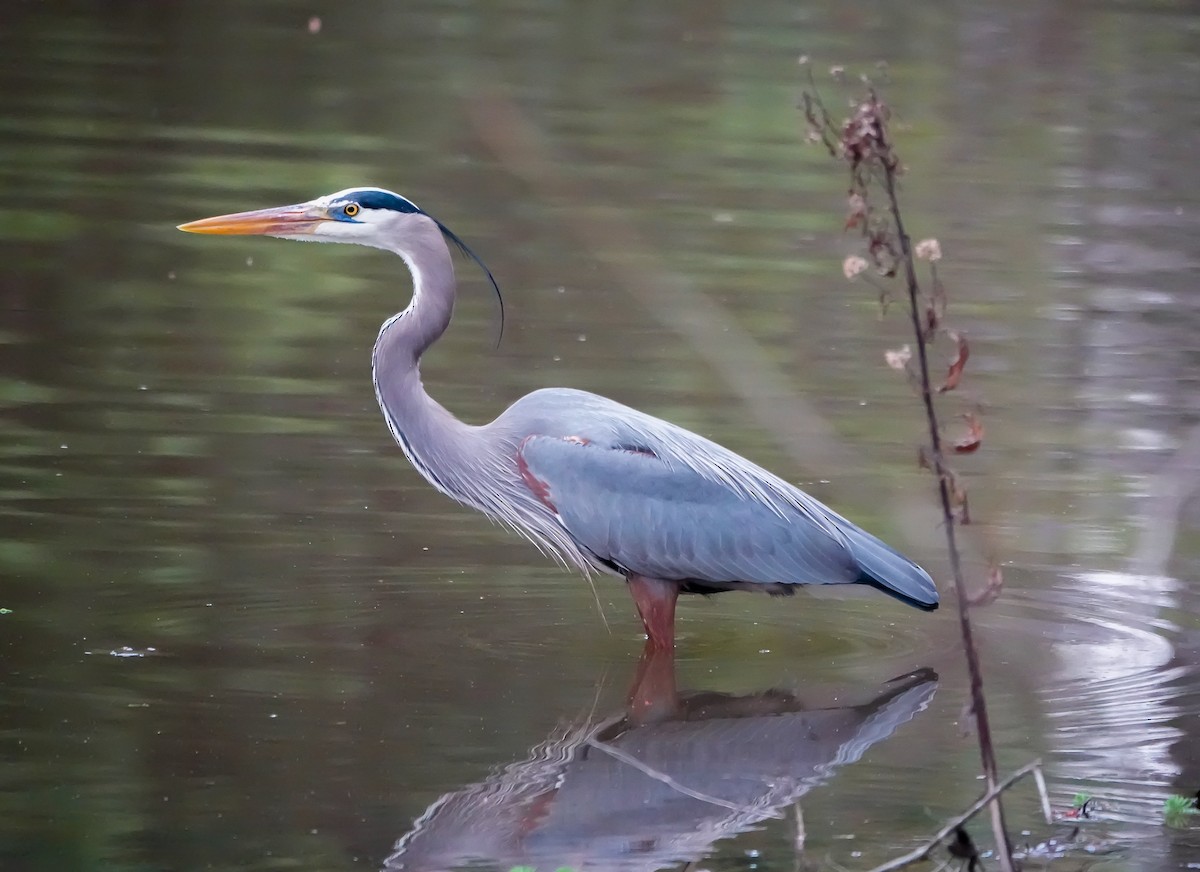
point(638, 511)
point(660, 500)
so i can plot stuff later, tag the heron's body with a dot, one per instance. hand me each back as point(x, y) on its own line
point(593, 483)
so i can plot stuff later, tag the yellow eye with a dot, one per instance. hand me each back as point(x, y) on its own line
point(350, 210)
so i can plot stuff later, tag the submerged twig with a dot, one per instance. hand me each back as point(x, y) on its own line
point(920, 853)
point(651, 772)
point(1043, 794)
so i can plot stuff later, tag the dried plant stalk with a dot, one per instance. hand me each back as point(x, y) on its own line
point(863, 143)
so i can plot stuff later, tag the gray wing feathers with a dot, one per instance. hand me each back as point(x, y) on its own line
point(605, 422)
point(647, 517)
point(679, 503)
point(888, 570)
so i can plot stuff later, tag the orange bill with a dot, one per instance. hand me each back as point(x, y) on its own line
point(297, 219)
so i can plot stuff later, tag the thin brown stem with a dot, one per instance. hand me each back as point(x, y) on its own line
point(978, 701)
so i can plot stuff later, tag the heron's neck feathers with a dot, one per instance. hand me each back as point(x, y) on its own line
point(435, 442)
point(408, 334)
point(474, 465)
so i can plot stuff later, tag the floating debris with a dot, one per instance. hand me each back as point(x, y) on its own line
point(127, 651)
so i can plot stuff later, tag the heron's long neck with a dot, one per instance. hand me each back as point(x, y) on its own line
point(408, 334)
point(438, 444)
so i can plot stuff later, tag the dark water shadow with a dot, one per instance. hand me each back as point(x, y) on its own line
point(659, 783)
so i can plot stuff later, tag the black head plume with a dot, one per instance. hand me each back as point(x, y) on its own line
point(379, 198)
point(465, 249)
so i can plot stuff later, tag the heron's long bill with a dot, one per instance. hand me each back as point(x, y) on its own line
point(301, 218)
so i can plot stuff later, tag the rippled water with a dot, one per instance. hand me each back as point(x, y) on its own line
point(241, 633)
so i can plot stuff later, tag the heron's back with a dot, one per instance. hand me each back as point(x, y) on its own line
point(649, 498)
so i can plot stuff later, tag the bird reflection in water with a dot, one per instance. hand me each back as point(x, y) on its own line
point(658, 784)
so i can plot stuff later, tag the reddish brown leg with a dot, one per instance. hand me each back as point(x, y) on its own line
point(653, 697)
point(655, 601)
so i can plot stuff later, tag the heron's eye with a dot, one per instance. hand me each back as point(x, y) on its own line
point(350, 210)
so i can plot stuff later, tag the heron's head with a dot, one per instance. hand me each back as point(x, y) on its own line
point(363, 216)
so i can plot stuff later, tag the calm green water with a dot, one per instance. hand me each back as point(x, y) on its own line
point(243, 633)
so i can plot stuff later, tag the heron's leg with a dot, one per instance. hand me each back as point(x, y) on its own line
point(653, 696)
point(655, 601)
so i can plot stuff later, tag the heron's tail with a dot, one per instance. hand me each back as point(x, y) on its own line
point(883, 567)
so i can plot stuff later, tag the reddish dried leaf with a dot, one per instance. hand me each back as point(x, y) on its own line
point(931, 321)
point(974, 435)
point(958, 493)
point(935, 309)
point(954, 374)
point(856, 211)
point(1078, 812)
point(958, 497)
point(939, 292)
point(882, 253)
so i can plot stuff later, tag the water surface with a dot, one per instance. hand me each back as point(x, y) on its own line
point(245, 635)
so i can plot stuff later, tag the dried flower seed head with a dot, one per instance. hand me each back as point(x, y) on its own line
point(853, 265)
point(898, 358)
point(929, 249)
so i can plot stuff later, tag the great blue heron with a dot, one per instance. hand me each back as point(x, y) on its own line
point(590, 482)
